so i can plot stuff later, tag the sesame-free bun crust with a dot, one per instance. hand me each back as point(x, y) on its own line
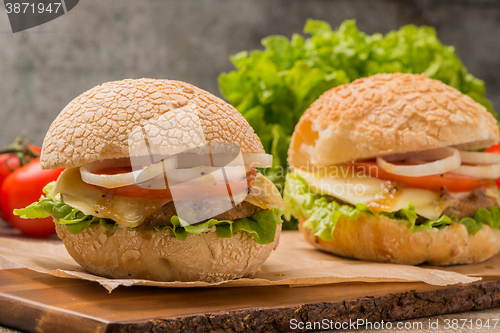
point(176, 116)
point(387, 240)
point(388, 114)
point(128, 254)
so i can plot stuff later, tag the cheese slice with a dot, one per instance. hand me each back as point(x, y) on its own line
point(264, 194)
point(427, 203)
point(131, 212)
point(346, 184)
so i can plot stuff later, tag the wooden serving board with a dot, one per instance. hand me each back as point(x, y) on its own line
point(38, 302)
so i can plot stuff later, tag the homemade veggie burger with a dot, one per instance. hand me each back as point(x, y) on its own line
point(160, 184)
point(382, 172)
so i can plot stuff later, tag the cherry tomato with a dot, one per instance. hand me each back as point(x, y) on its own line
point(450, 181)
point(494, 149)
point(20, 189)
point(10, 162)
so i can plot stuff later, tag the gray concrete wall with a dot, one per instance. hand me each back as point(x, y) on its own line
point(43, 68)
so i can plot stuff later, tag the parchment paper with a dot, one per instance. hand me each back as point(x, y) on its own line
point(295, 263)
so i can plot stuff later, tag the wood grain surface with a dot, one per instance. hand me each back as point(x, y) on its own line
point(38, 302)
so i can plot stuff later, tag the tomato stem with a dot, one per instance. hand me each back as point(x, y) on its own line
point(21, 149)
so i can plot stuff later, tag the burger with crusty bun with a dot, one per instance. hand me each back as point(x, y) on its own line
point(160, 184)
point(383, 170)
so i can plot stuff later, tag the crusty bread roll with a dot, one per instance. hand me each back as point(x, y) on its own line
point(387, 240)
point(387, 114)
point(159, 256)
point(390, 114)
point(99, 123)
point(142, 118)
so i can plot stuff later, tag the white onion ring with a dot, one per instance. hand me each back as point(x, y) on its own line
point(197, 176)
point(487, 165)
point(123, 179)
point(479, 171)
point(190, 170)
point(447, 160)
point(206, 175)
point(479, 158)
point(414, 160)
point(258, 160)
point(251, 160)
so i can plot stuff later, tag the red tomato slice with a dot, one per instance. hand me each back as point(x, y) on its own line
point(449, 181)
point(493, 149)
point(219, 190)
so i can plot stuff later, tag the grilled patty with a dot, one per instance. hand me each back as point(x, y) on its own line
point(165, 213)
point(467, 207)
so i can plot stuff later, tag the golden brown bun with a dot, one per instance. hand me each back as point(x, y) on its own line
point(387, 240)
point(96, 125)
point(387, 114)
point(159, 256)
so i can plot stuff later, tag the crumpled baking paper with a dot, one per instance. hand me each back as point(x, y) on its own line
point(295, 263)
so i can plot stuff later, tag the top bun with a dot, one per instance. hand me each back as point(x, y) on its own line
point(388, 114)
point(175, 116)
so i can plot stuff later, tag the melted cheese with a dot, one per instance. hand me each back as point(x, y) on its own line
point(349, 186)
point(131, 212)
point(427, 203)
point(264, 194)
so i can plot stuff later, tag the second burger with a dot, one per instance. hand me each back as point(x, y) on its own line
point(382, 172)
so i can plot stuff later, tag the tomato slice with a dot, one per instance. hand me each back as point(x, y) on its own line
point(449, 181)
point(493, 149)
point(185, 192)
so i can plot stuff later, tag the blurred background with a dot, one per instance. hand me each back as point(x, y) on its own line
point(45, 67)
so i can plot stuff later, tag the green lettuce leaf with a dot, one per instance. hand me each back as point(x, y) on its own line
point(322, 214)
point(262, 225)
point(75, 220)
point(273, 87)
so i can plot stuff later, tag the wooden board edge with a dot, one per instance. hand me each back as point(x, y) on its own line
point(393, 307)
point(42, 318)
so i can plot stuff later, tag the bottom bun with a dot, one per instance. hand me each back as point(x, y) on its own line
point(387, 240)
point(128, 254)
